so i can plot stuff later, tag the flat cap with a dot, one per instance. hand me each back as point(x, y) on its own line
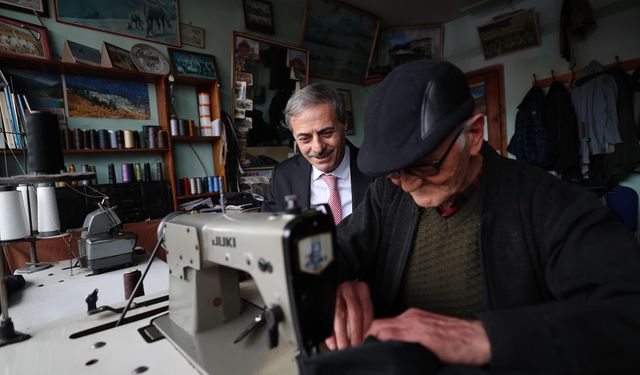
point(410, 113)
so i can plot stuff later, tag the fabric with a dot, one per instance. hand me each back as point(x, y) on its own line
point(444, 272)
point(319, 194)
point(530, 140)
point(562, 128)
point(425, 101)
point(562, 287)
point(595, 101)
point(293, 176)
point(334, 196)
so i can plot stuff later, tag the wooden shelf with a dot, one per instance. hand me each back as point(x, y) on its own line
point(115, 150)
point(197, 196)
point(186, 138)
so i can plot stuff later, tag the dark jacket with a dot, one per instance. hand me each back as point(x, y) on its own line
point(562, 127)
point(530, 140)
point(562, 273)
point(293, 176)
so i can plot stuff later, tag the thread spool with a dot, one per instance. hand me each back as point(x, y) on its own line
point(186, 186)
point(127, 172)
point(43, 143)
point(128, 139)
point(13, 219)
point(152, 136)
point(111, 173)
point(130, 279)
point(94, 179)
point(147, 172)
point(159, 174)
point(141, 139)
point(174, 126)
point(93, 139)
point(66, 138)
point(48, 220)
point(216, 184)
point(76, 135)
point(204, 112)
point(120, 138)
point(85, 168)
point(192, 185)
point(191, 127)
point(215, 128)
point(163, 141)
point(179, 188)
point(29, 201)
point(86, 141)
point(210, 185)
point(103, 139)
point(199, 186)
point(137, 170)
point(184, 127)
point(113, 139)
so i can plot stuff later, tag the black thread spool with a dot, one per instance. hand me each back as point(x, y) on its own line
point(43, 143)
point(163, 139)
point(86, 138)
point(159, 174)
point(111, 172)
point(120, 138)
point(130, 279)
point(66, 138)
point(147, 172)
point(78, 143)
point(103, 139)
point(93, 137)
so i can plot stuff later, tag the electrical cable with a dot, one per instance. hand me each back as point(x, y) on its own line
point(198, 157)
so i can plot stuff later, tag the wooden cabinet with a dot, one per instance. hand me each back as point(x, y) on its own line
point(160, 84)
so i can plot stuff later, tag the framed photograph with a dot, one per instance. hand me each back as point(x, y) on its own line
point(510, 33)
point(116, 57)
point(400, 45)
point(245, 77)
point(258, 16)
point(340, 39)
point(24, 39)
point(348, 108)
point(27, 6)
point(153, 20)
point(192, 35)
point(193, 64)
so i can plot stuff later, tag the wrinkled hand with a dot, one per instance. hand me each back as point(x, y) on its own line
point(452, 340)
point(353, 315)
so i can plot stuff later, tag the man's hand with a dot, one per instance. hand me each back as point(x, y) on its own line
point(452, 340)
point(353, 315)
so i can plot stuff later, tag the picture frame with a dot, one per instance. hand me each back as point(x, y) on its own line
point(338, 52)
point(399, 45)
point(27, 6)
point(347, 101)
point(510, 33)
point(258, 16)
point(192, 35)
point(115, 57)
point(31, 39)
point(153, 20)
point(193, 64)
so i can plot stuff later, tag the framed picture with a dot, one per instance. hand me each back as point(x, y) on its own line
point(153, 20)
point(509, 33)
point(400, 45)
point(116, 57)
point(340, 38)
point(192, 35)
point(25, 39)
point(193, 64)
point(258, 16)
point(348, 109)
point(27, 6)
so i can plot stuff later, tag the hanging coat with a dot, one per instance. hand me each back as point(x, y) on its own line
point(530, 141)
point(562, 128)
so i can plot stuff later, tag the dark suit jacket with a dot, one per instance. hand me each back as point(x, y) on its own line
point(293, 176)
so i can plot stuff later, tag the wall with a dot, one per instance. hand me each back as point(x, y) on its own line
point(219, 18)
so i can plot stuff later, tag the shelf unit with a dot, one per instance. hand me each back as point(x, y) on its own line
point(160, 83)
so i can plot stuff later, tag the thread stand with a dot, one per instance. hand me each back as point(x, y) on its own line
point(8, 335)
point(32, 265)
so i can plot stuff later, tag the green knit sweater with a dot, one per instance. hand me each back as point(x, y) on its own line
point(444, 273)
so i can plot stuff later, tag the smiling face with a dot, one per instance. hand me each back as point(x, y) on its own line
point(320, 136)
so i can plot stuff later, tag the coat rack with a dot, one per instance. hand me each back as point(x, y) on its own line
point(571, 76)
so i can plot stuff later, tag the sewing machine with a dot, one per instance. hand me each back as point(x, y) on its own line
point(290, 257)
point(102, 244)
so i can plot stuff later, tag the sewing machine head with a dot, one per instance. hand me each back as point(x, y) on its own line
point(290, 258)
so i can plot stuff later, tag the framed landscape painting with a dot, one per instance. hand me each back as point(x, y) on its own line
point(400, 45)
point(154, 20)
point(24, 39)
point(192, 64)
point(27, 6)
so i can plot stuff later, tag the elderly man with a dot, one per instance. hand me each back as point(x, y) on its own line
point(325, 171)
point(482, 260)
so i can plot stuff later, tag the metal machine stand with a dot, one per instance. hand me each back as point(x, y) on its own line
point(33, 265)
point(8, 335)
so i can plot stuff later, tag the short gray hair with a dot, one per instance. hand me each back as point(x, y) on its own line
point(314, 94)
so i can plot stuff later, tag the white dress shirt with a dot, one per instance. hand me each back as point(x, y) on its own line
point(320, 191)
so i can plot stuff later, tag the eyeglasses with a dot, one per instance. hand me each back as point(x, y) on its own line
point(427, 169)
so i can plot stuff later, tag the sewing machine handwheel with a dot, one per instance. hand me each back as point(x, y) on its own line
point(273, 316)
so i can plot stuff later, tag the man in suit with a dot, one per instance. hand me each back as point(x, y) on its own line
point(317, 119)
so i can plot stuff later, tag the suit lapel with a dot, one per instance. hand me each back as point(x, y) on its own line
point(301, 184)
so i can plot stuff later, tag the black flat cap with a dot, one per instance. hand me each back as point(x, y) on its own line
point(410, 113)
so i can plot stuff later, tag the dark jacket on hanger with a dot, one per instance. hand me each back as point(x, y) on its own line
point(562, 128)
point(530, 141)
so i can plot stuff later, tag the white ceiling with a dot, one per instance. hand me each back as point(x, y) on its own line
point(422, 12)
